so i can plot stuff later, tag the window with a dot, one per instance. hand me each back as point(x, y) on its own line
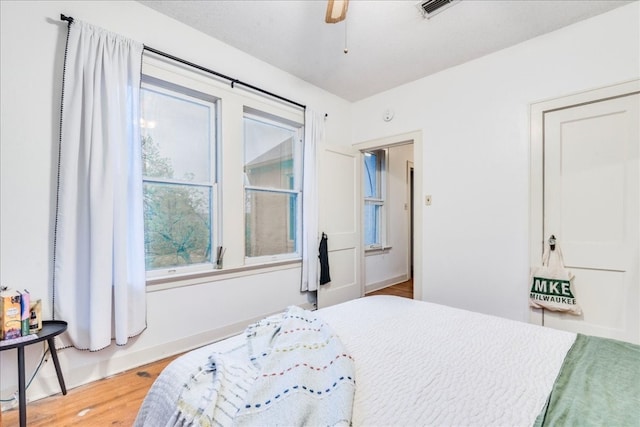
point(178, 131)
point(374, 214)
point(222, 175)
point(272, 187)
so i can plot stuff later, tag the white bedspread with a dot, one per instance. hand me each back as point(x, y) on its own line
point(426, 364)
point(421, 364)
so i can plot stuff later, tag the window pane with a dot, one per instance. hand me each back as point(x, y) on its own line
point(176, 137)
point(177, 225)
point(370, 175)
point(270, 223)
point(269, 153)
point(372, 224)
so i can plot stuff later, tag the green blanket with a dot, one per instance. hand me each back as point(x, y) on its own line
point(598, 385)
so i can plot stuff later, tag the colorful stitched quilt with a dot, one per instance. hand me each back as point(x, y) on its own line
point(292, 370)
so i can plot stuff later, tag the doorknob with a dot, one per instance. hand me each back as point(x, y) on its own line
point(552, 242)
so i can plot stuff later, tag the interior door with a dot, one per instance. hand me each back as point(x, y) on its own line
point(339, 217)
point(591, 204)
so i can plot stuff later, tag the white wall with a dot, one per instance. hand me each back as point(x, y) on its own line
point(475, 124)
point(32, 51)
point(391, 266)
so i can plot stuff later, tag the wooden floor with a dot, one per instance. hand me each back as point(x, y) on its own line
point(111, 401)
point(404, 289)
point(115, 401)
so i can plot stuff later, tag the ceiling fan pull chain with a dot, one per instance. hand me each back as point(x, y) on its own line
point(346, 49)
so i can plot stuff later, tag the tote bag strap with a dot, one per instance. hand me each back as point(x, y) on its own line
point(546, 255)
point(557, 252)
point(560, 256)
point(554, 258)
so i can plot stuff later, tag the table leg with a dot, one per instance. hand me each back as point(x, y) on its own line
point(56, 363)
point(22, 398)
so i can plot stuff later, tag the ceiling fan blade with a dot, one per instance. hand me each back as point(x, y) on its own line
point(336, 11)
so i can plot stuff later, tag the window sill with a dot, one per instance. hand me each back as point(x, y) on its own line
point(377, 250)
point(169, 282)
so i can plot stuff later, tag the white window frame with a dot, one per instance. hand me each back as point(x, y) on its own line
point(183, 90)
point(228, 222)
point(298, 130)
point(381, 179)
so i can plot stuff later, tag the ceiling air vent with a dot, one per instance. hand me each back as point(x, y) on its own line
point(430, 8)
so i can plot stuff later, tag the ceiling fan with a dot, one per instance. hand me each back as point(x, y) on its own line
point(336, 11)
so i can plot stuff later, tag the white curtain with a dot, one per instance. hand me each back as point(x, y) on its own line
point(313, 137)
point(99, 273)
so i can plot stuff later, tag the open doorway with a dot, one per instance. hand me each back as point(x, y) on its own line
point(388, 218)
point(403, 287)
point(405, 150)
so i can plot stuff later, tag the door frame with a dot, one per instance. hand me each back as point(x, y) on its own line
point(414, 138)
point(410, 197)
point(536, 168)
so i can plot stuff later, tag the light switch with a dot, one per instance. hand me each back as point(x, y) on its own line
point(427, 200)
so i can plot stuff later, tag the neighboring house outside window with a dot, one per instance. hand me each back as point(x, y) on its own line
point(374, 178)
point(272, 184)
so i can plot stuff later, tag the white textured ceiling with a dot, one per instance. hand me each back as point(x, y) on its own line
point(389, 42)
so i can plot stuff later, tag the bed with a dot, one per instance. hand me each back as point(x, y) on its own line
point(387, 361)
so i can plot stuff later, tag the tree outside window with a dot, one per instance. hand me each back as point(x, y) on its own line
point(178, 177)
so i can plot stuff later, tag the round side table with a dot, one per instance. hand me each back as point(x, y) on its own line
point(50, 329)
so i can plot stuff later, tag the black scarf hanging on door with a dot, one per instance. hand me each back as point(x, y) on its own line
point(324, 260)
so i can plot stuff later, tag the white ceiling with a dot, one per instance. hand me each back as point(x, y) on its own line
point(389, 42)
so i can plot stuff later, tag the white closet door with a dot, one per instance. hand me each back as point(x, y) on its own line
point(591, 204)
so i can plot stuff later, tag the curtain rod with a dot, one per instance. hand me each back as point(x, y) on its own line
point(233, 81)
